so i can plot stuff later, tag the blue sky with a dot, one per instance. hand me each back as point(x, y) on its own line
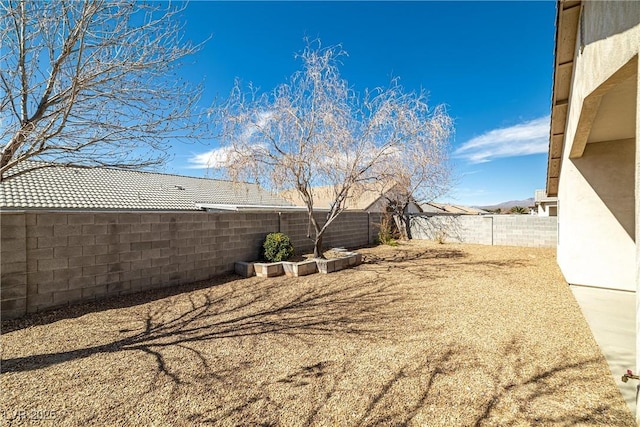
point(491, 63)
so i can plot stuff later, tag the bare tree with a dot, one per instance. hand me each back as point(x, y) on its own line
point(315, 130)
point(421, 172)
point(92, 83)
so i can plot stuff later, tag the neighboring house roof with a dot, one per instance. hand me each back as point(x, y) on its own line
point(323, 196)
point(541, 197)
point(456, 209)
point(476, 211)
point(483, 212)
point(62, 187)
point(433, 207)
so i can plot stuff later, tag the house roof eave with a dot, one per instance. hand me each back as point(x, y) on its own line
point(567, 20)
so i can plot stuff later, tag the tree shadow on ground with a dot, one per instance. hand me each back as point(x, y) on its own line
point(239, 312)
point(542, 397)
point(417, 393)
point(436, 263)
point(405, 256)
point(198, 345)
point(110, 303)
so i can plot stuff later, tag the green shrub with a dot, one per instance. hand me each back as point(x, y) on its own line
point(277, 247)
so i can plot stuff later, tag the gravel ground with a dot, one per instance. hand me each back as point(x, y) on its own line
point(420, 334)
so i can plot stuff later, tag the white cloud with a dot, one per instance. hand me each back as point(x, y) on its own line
point(222, 156)
point(525, 138)
point(263, 120)
point(216, 158)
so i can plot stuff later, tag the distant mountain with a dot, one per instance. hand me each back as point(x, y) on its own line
point(505, 206)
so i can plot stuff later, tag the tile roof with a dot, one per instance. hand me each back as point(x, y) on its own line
point(365, 197)
point(433, 207)
point(62, 187)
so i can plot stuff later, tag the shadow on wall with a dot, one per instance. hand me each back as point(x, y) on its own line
point(441, 228)
point(609, 168)
point(600, 18)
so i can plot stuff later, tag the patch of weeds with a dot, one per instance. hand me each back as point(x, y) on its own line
point(441, 237)
point(386, 233)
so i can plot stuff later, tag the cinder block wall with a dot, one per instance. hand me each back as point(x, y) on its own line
point(350, 230)
point(455, 228)
point(13, 265)
point(525, 230)
point(508, 230)
point(51, 259)
point(375, 220)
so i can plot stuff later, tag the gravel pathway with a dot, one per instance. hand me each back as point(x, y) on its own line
point(420, 334)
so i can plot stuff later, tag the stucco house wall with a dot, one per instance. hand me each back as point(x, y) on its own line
point(596, 187)
point(546, 209)
point(596, 236)
point(545, 205)
point(594, 169)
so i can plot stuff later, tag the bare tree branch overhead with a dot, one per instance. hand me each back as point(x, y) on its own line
point(93, 83)
point(316, 130)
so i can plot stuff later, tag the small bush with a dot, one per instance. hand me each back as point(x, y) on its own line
point(391, 242)
point(386, 232)
point(441, 236)
point(277, 247)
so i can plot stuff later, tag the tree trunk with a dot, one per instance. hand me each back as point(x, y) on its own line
point(403, 222)
point(407, 226)
point(400, 225)
point(317, 247)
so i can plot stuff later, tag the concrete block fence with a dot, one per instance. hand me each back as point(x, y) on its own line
point(507, 230)
point(50, 259)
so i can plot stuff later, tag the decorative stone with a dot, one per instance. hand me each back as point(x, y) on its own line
point(303, 268)
point(326, 266)
point(358, 258)
point(350, 259)
point(244, 269)
point(268, 269)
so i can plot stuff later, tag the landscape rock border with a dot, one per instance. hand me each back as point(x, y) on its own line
point(302, 268)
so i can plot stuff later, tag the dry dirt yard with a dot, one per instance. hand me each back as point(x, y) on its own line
point(420, 334)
